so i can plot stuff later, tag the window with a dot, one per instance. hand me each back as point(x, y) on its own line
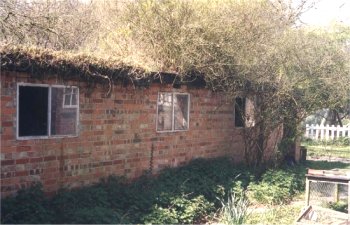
point(173, 112)
point(240, 112)
point(47, 111)
point(70, 97)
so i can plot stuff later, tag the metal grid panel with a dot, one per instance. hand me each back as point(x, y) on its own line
point(325, 193)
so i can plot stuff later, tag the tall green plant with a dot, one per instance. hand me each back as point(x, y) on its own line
point(235, 209)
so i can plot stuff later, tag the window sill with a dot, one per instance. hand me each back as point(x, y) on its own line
point(170, 131)
point(45, 137)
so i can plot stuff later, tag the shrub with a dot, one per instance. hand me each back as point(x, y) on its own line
point(203, 177)
point(68, 203)
point(210, 179)
point(28, 206)
point(277, 186)
point(188, 194)
point(95, 215)
point(179, 209)
point(268, 194)
point(338, 206)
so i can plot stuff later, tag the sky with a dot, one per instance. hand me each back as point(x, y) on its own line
point(326, 12)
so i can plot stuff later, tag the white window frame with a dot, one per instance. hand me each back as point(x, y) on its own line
point(49, 136)
point(70, 97)
point(173, 94)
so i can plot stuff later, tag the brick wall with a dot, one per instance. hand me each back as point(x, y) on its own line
point(117, 135)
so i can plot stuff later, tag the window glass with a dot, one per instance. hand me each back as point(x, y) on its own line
point(70, 97)
point(240, 112)
point(165, 111)
point(35, 118)
point(181, 112)
point(66, 101)
point(74, 99)
point(173, 112)
point(33, 111)
point(63, 119)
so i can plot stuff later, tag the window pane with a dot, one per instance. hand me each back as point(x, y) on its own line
point(68, 90)
point(33, 114)
point(74, 99)
point(181, 112)
point(239, 112)
point(165, 112)
point(66, 100)
point(63, 120)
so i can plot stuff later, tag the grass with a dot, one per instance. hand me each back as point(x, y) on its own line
point(329, 151)
point(325, 165)
point(339, 148)
point(282, 214)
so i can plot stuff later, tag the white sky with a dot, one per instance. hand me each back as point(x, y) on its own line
point(328, 11)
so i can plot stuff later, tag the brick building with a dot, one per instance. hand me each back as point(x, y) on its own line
point(63, 132)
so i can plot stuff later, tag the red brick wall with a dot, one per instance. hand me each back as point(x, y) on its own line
point(116, 136)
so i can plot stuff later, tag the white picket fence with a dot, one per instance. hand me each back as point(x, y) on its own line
point(321, 132)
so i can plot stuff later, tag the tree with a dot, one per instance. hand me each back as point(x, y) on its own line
point(56, 24)
point(242, 50)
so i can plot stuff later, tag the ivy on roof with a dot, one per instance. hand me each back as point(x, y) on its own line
point(40, 62)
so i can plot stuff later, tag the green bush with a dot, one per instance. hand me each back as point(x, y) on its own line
point(277, 186)
point(69, 203)
point(268, 194)
point(202, 177)
point(338, 206)
point(188, 194)
point(29, 206)
point(185, 194)
point(179, 209)
point(95, 215)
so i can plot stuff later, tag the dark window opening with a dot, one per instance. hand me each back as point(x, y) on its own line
point(239, 112)
point(33, 111)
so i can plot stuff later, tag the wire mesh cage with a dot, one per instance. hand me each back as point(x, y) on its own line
point(329, 195)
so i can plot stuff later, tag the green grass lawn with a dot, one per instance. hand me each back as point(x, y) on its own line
point(316, 150)
point(282, 214)
point(325, 165)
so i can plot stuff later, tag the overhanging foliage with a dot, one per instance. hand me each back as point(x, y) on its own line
point(41, 62)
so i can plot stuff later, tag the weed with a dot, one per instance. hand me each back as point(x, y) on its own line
point(235, 209)
point(338, 206)
point(275, 215)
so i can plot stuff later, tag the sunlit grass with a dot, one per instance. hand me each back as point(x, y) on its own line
point(330, 151)
point(325, 165)
point(284, 214)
